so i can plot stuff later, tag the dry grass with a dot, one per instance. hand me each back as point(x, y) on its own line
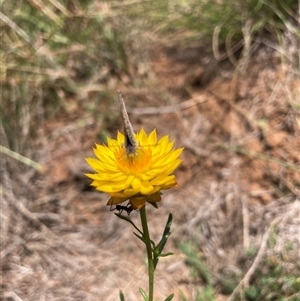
point(238, 203)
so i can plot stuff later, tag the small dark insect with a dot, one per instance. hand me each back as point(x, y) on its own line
point(128, 208)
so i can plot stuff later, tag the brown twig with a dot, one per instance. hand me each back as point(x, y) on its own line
point(246, 223)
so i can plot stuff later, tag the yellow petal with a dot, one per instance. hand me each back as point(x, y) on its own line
point(146, 187)
point(161, 180)
point(152, 139)
point(120, 138)
point(136, 184)
point(112, 143)
point(139, 177)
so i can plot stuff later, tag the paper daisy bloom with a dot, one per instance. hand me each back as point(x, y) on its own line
point(138, 177)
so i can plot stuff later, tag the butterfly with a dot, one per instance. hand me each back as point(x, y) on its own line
point(130, 143)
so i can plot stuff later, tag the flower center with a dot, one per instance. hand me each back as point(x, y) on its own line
point(134, 164)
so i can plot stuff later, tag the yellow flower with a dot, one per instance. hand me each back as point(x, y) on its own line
point(137, 177)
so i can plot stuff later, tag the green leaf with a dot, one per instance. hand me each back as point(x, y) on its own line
point(127, 219)
point(169, 298)
point(154, 204)
point(153, 244)
point(122, 298)
point(143, 240)
point(140, 237)
point(159, 248)
point(166, 234)
point(166, 254)
point(143, 294)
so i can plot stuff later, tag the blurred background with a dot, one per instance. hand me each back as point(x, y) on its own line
point(219, 77)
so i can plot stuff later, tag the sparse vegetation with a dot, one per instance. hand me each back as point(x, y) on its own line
point(271, 281)
point(61, 64)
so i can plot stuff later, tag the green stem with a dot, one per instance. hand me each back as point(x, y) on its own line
point(146, 237)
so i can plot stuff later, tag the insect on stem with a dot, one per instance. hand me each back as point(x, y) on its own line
point(130, 141)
